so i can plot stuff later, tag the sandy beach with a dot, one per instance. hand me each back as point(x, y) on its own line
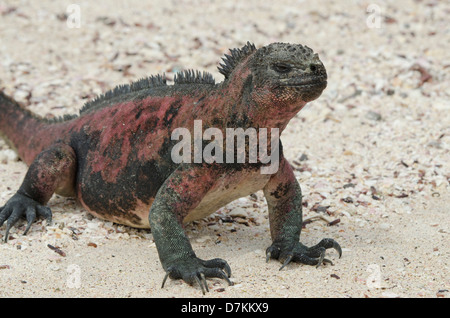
point(372, 154)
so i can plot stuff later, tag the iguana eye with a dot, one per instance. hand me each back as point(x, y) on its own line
point(282, 67)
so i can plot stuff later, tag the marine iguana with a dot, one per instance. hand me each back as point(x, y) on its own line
point(115, 156)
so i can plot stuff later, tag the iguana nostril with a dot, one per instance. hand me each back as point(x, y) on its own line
point(313, 68)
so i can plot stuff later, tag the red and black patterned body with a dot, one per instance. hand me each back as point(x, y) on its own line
point(115, 157)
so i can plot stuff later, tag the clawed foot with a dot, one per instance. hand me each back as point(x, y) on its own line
point(300, 253)
point(20, 205)
point(195, 270)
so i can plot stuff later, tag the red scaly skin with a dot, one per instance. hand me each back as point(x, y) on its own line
point(115, 158)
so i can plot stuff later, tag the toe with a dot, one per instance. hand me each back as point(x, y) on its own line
point(4, 215)
point(31, 216)
point(307, 260)
point(218, 263)
point(12, 219)
point(330, 243)
point(217, 273)
point(45, 212)
point(324, 244)
point(201, 281)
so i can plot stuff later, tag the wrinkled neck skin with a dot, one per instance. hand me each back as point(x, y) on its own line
point(269, 111)
point(259, 107)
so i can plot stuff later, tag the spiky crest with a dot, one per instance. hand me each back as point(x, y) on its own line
point(183, 77)
point(237, 55)
point(143, 83)
point(191, 76)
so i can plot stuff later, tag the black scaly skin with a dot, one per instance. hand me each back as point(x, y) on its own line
point(115, 157)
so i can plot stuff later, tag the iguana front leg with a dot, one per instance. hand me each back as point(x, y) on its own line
point(52, 171)
point(180, 194)
point(284, 199)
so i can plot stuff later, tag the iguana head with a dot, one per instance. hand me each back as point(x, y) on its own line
point(280, 78)
point(293, 72)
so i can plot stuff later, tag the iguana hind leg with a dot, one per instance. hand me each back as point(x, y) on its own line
point(52, 171)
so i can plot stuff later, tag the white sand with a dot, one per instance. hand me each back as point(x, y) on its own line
point(376, 126)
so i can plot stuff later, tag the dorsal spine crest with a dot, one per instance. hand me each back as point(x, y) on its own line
point(143, 83)
point(237, 55)
point(193, 77)
point(230, 61)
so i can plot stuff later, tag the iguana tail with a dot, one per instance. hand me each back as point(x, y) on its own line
point(22, 130)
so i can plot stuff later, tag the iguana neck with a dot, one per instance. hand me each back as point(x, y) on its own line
point(273, 115)
point(249, 108)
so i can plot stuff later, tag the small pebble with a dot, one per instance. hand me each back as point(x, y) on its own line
point(56, 249)
point(385, 226)
point(373, 116)
point(8, 155)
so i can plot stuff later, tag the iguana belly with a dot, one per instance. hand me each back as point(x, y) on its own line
point(228, 188)
point(226, 191)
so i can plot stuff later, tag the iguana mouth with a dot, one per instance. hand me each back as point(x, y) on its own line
point(308, 87)
point(312, 81)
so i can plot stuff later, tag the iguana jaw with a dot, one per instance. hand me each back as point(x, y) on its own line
point(307, 88)
point(307, 82)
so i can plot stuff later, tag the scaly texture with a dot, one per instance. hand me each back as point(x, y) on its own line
point(115, 157)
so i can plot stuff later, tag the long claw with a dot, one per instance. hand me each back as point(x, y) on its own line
point(227, 269)
point(338, 248)
point(13, 218)
point(165, 278)
point(321, 258)
point(224, 276)
point(287, 261)
point(8, 227)
point(5, 240)
point(203, 279)
point(31, 216)
point(200, 283)
point(268, 255)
